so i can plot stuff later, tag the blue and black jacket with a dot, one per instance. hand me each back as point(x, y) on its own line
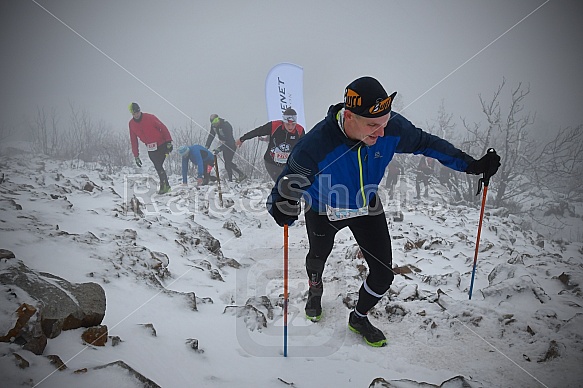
point(200, 157)
point(343, 173)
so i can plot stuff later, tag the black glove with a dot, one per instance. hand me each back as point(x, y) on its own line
point(138, 161)
point(285, 212)
point(487, 165)
point(216, 151)
point(169, 147)
point(286, 208)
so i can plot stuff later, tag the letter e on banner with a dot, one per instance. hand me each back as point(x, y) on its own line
point(284, 88)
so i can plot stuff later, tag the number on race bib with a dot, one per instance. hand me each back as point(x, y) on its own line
point(280, 157)
point(152, 147)
point(336, 214)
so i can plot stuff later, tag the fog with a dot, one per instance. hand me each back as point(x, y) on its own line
point(184, 60)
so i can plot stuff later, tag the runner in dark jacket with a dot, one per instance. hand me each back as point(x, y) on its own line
point(424, 172)
point(223, 129)
point(283, 136)
point(337, 168)
point(393, 171)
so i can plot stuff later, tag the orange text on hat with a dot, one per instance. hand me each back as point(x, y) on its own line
point(352, 99)
point(381, 106)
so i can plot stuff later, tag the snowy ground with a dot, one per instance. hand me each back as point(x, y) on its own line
point(523, 326)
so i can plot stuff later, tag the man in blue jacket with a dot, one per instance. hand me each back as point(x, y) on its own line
point(337, 167)
point(202, 158)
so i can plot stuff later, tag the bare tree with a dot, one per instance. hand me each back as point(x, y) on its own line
point(249, 157)
point(84, 137)
point(113, 151)
point(559, 167)
point(188, 135)
point(444, 127)
point(45, 133)
point(507, 132)
point(5, 132)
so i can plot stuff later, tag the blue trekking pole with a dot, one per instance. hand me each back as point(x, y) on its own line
point(485, 180)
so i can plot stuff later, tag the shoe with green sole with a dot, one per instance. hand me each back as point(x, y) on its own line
point(361, 325)
point(314, 304)
point(164, 189)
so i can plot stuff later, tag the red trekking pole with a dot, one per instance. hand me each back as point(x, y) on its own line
point(485, 180)
point(291, 193)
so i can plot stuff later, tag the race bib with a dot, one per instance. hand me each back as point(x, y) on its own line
point(280, 157)
point(152, 147)
point(337, 214)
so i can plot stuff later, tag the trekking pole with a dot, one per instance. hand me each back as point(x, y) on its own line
point(218, 181)
point(285, 290)
point(485, 180)
point(289, 188)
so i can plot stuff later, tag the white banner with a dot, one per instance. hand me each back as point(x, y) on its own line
point(284, 88)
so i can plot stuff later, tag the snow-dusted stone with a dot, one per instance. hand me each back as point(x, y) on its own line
point(501, 273)
point(198, 235)
point(513, 288)
point(116, 365)
point(115, 340)
point(228, 202)
point(24, 329)
point(263, 304)
point(253, 318)
point(10, 203)
point(96, 335)
point(135, 206)
point(553, 351)
point(405, 270)
point(193, 343)
point(409, 292)
point(62, 305)
point(158, 261)
point(232, 226)
point(6, 254)
point(454, 382)
point(21, 362)
point(396, 312)
point(452, 278)
point(349, 300)
point(570, 283)
point(56, 361)
point(216, 275)
point(150, 327)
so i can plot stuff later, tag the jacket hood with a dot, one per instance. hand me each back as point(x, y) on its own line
point(332, 121)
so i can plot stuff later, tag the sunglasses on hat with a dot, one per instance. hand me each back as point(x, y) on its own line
point(290, 118)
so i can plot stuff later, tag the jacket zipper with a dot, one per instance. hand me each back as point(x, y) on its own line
point(361, 177)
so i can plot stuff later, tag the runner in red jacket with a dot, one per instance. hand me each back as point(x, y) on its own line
point(155, 135)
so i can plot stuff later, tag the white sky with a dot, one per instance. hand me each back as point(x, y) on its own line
point(194, 58)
